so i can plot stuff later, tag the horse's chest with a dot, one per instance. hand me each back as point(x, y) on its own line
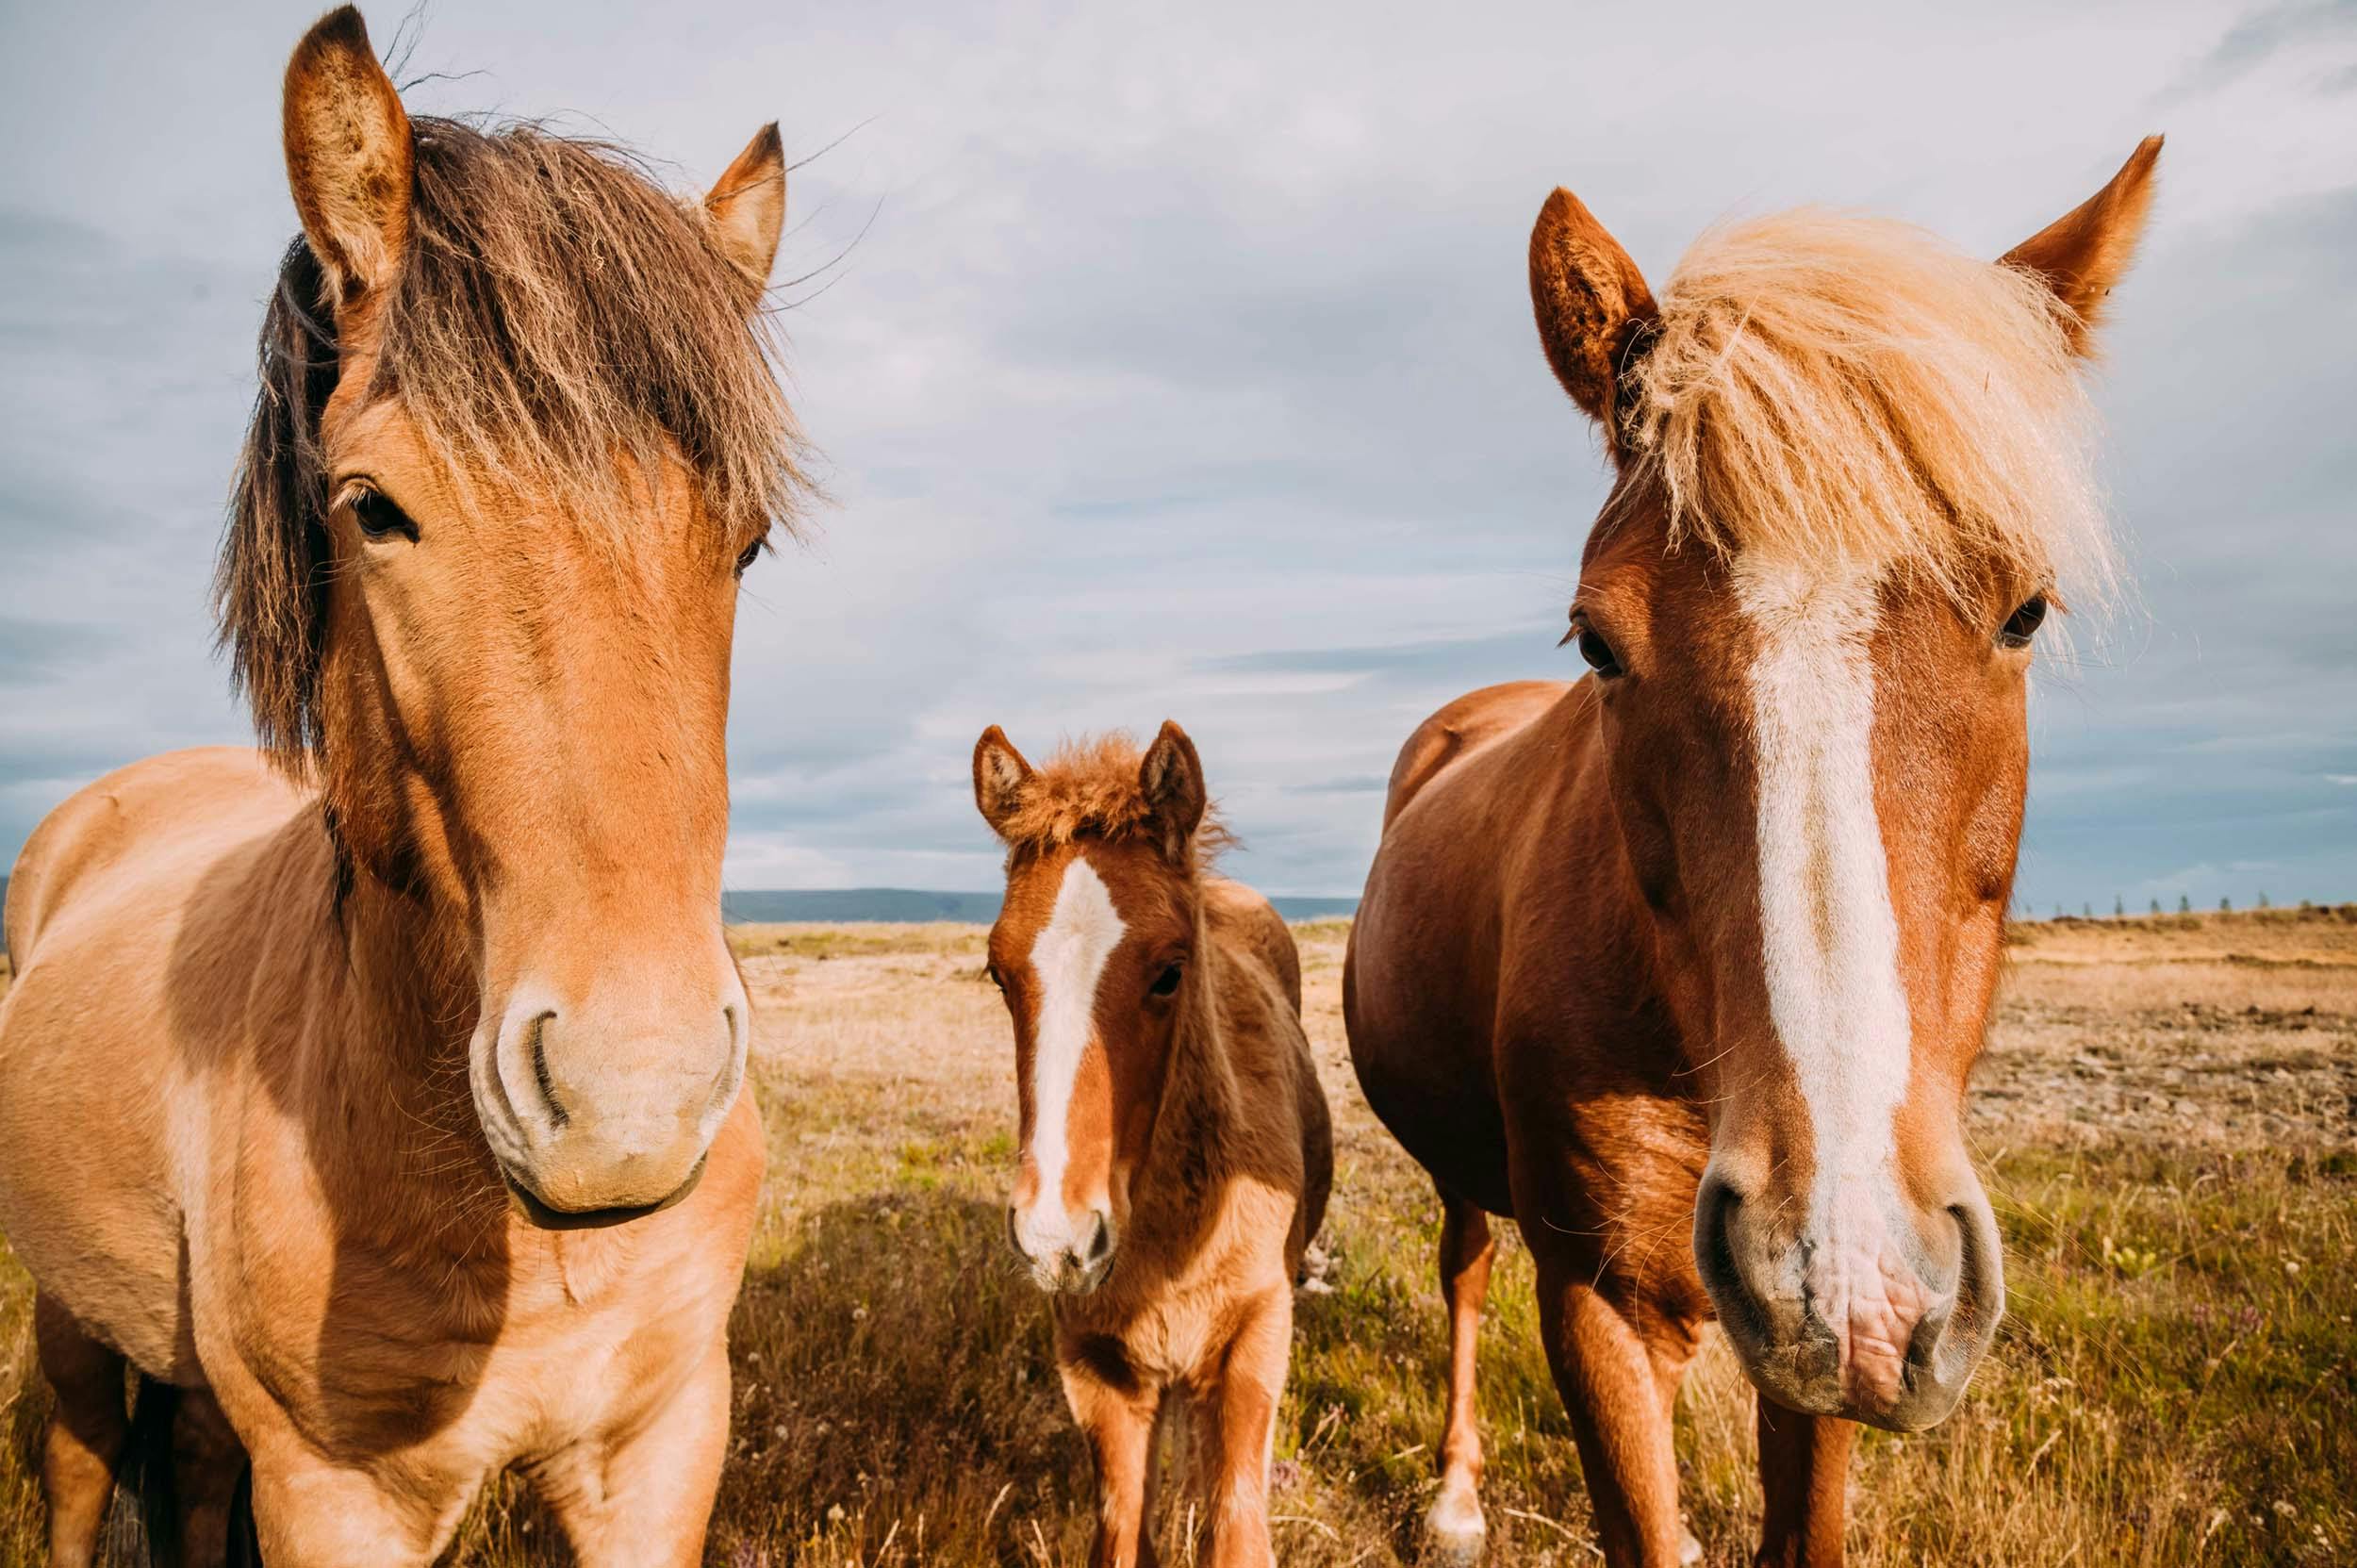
point(479, 1361)
point(1174, 1319)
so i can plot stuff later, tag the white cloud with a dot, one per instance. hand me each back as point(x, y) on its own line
point(1188, 349)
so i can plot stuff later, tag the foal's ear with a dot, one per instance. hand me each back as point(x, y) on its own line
point(349, 158)
point(748, 208)
point(1001, 778)
point(2085, 251)
point(1592, 304)
point(1171, 777)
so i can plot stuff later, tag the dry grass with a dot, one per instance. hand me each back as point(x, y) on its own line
point(2168, 1114)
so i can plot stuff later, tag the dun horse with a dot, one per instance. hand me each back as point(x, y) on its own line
point(1176, 1152)
point(1704, 945)
point(380, 1095)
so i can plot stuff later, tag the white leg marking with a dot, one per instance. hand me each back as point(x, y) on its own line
point(1069, 957)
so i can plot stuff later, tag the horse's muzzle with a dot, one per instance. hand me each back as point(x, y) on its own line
point(586, 1123)
point(1068, 1255)
point(1861, 1312)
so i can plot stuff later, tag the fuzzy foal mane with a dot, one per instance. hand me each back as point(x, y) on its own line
point(556, 311)
point(1089, 789)
point(1823, 387)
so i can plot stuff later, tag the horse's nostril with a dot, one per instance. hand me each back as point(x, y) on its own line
point(540, 1077)
point(1015, 1236)
point(1102, 1242)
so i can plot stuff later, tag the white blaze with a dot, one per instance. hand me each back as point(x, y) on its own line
point(1830, 941)
point(1069, 957)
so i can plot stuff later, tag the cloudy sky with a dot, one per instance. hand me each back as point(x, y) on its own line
point(1179, 363)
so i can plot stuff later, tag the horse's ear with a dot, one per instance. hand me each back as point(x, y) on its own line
point(1171, 777)
point(349, 154)
point(1594, 310)
point(748, 208)
point(1001, 778)
point(2087, 250)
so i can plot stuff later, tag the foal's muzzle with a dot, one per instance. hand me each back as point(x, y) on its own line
point(1069, 1254)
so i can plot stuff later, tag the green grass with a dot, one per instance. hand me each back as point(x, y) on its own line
point(2176, 1381)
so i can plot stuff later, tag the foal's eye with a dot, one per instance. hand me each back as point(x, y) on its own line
point(1167, 983)
point(2023, 623)
point(1598, 653)
point(747, 556)
point(379, 519)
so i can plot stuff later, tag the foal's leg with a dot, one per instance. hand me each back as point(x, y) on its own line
point(1805, 1481)
point(84, 1440)
point(1117, 1415)
point(1251, 1382)
point(644, 1499)
point(1612, 1388)
point(1454, 1526)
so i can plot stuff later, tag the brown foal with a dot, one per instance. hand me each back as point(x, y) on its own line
point(1176, 1152)
point(1684, 966)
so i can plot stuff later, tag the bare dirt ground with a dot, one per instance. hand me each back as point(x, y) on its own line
point(2167, 1117)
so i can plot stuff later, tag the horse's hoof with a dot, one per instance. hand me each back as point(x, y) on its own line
point(1689, 1549)
point(1443, 1550)
point(1453, 1531)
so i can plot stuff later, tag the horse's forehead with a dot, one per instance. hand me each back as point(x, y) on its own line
point(375, 433)
point(1035, 884)
point(1084, 886)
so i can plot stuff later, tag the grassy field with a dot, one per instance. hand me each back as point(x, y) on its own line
point(2167, 1117)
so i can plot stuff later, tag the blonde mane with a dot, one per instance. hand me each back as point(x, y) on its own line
point(1824, 386)
point(1089, 789)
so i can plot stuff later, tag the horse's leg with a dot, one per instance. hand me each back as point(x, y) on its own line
point(646, 1500)
point(310, 1510)
point(84, 1440)
point(207, 1461)
point(1611, 1388)
point(1454, 1526)
point(1117, 1415)
point(1804, 1483)
point(1251, 1383)
point(1673, 1346)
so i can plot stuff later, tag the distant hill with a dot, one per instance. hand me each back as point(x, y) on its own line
point(909, 905)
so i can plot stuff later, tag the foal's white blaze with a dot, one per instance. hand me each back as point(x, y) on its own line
point(1829, 939)
point(1068, 956)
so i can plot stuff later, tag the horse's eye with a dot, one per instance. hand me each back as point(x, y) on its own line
point(1167, 983)
point(1598, 653)
point(379, 519)
point(2023, 623)
point(752, 553)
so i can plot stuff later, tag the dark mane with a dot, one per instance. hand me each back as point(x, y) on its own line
point(556, 309)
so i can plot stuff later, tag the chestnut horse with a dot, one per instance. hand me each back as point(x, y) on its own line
point(1705, 942)
point(1176, 1151)
point(380, 1094)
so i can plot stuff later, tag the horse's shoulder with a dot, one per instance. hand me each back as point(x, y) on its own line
point(111, 827)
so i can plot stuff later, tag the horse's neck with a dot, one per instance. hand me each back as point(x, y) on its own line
point(1198, 1110)
point(1617, 933)
point(387, 1005)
